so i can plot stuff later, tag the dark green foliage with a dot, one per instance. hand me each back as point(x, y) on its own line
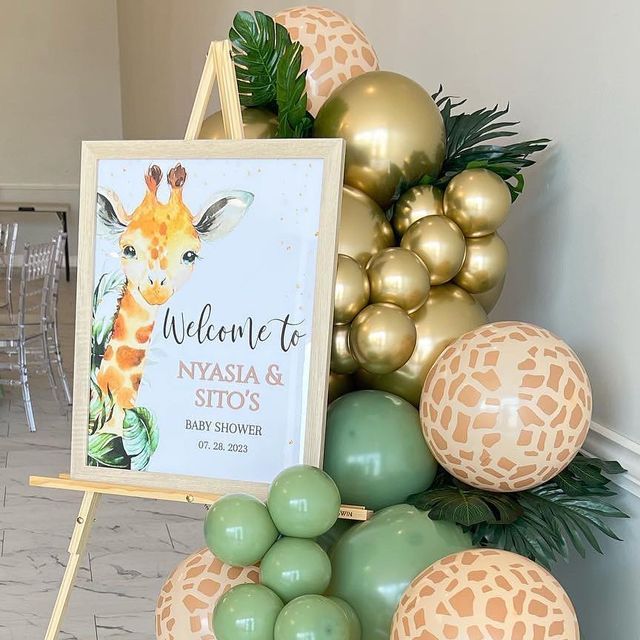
point(468, 135)
point(268, 68)
point(540, 523)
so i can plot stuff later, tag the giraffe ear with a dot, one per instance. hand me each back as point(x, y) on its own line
point(222, 216)
point(110, 211)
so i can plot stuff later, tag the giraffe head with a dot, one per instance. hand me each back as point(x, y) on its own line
point(160, 242)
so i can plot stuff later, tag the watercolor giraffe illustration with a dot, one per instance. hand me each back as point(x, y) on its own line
point(159, 246)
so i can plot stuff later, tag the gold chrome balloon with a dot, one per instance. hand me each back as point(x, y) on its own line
point(490, 298)
point(478, 201)
point(440, 244)
point(258, 123)
point(342, 360)
point(398, 276)
point(339, 384)
point(352, 290)
point(393, 130)
point(485, 264)
point(448, 313)
point(382, 337)
point(364, 229)
point(418, 202)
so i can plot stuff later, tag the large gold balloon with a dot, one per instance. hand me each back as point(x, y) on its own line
point(352, 290)
point(440, 244)
point(414, 204)
point(364, 229)
point(342, 360)
point(258, 123)
point(448, 313)
point(339, 384)
point(382, 337)
point(485, 264)
point(490, 298)
point(393, 129)
point(400, 277)
point(478, 201)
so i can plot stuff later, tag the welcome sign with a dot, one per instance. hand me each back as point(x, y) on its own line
point(204, 310)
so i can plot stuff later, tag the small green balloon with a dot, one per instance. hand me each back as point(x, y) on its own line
point(239, 530)
point(312, 618)
point(375, 450)
point(246, 612)
point(375, 561)
point(355, 628)
point(303, 501)
point(295, 567)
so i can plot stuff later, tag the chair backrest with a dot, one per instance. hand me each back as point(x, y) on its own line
point(58, 264)
point(36, 279)
point(8, 236)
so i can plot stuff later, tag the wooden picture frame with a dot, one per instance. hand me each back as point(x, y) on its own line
point(123, 155)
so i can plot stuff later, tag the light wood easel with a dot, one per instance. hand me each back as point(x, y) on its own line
point(219, 64)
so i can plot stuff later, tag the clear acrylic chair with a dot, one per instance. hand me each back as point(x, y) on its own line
point(8, 236)
point(17, 337)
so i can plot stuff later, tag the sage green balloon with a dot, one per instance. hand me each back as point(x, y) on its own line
point(303, 501)
point(246, 612)
point(239, 530)
point(312, 617)
point(295, 567)
point(374, 449)
point(355, 628)
point(375, 561)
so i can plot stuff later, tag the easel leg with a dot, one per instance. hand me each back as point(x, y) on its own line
point(77, 545)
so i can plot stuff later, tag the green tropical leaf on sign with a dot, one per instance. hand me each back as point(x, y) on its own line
point(102, 325)
point(139, 436)
point(107, 450)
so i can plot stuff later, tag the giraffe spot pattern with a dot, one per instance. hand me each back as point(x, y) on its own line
point(496, 595)
point(334, 50)
point(506, 407)
point(188, 596)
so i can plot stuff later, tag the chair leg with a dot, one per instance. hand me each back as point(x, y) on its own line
point(24, 385)
point(58, 357)
point(46, 353)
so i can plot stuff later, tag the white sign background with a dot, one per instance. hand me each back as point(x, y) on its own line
point(264, 268)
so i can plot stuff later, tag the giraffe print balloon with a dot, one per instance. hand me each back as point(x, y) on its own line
point(485, 594)
point(506, 407)
point(187, 599)
point(334, 50)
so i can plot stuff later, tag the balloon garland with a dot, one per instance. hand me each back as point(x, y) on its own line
point(463, 436)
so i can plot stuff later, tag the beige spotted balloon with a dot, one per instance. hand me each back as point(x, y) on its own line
point(485, 594)
point(506, 407)
point(187, 599)
point(334, 50)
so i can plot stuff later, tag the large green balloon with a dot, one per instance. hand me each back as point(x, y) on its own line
point(295, 567)
point(375, 450)
point(239, 530)
point(246, 612)
point(303, 501)
point(375, 561)
point(312, 617)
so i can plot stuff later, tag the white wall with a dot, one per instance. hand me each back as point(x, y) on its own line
point(60, 80)
point(569, 70)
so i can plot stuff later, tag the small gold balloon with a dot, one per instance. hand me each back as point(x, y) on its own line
point(485, 264)
point(393, 130)
point(414, 204)
point(339, 384)
point(398, 276)
point(448, 313)
point(478, 201)
point(440, 244)
point(364, 229)
point(352, 290)
point(490, 298)
point(382, 337)
point(342, 360)
point(258, 123)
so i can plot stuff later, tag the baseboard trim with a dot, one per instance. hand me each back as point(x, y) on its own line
point(609, 445)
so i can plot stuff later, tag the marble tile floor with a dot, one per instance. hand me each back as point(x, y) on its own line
point(134, 545)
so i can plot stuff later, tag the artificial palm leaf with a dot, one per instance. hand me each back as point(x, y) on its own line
point(467, 148)
point(291, 95)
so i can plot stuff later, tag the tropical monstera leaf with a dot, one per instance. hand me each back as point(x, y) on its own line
point(110, 285)
point(106, 450)
point(139, 436)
